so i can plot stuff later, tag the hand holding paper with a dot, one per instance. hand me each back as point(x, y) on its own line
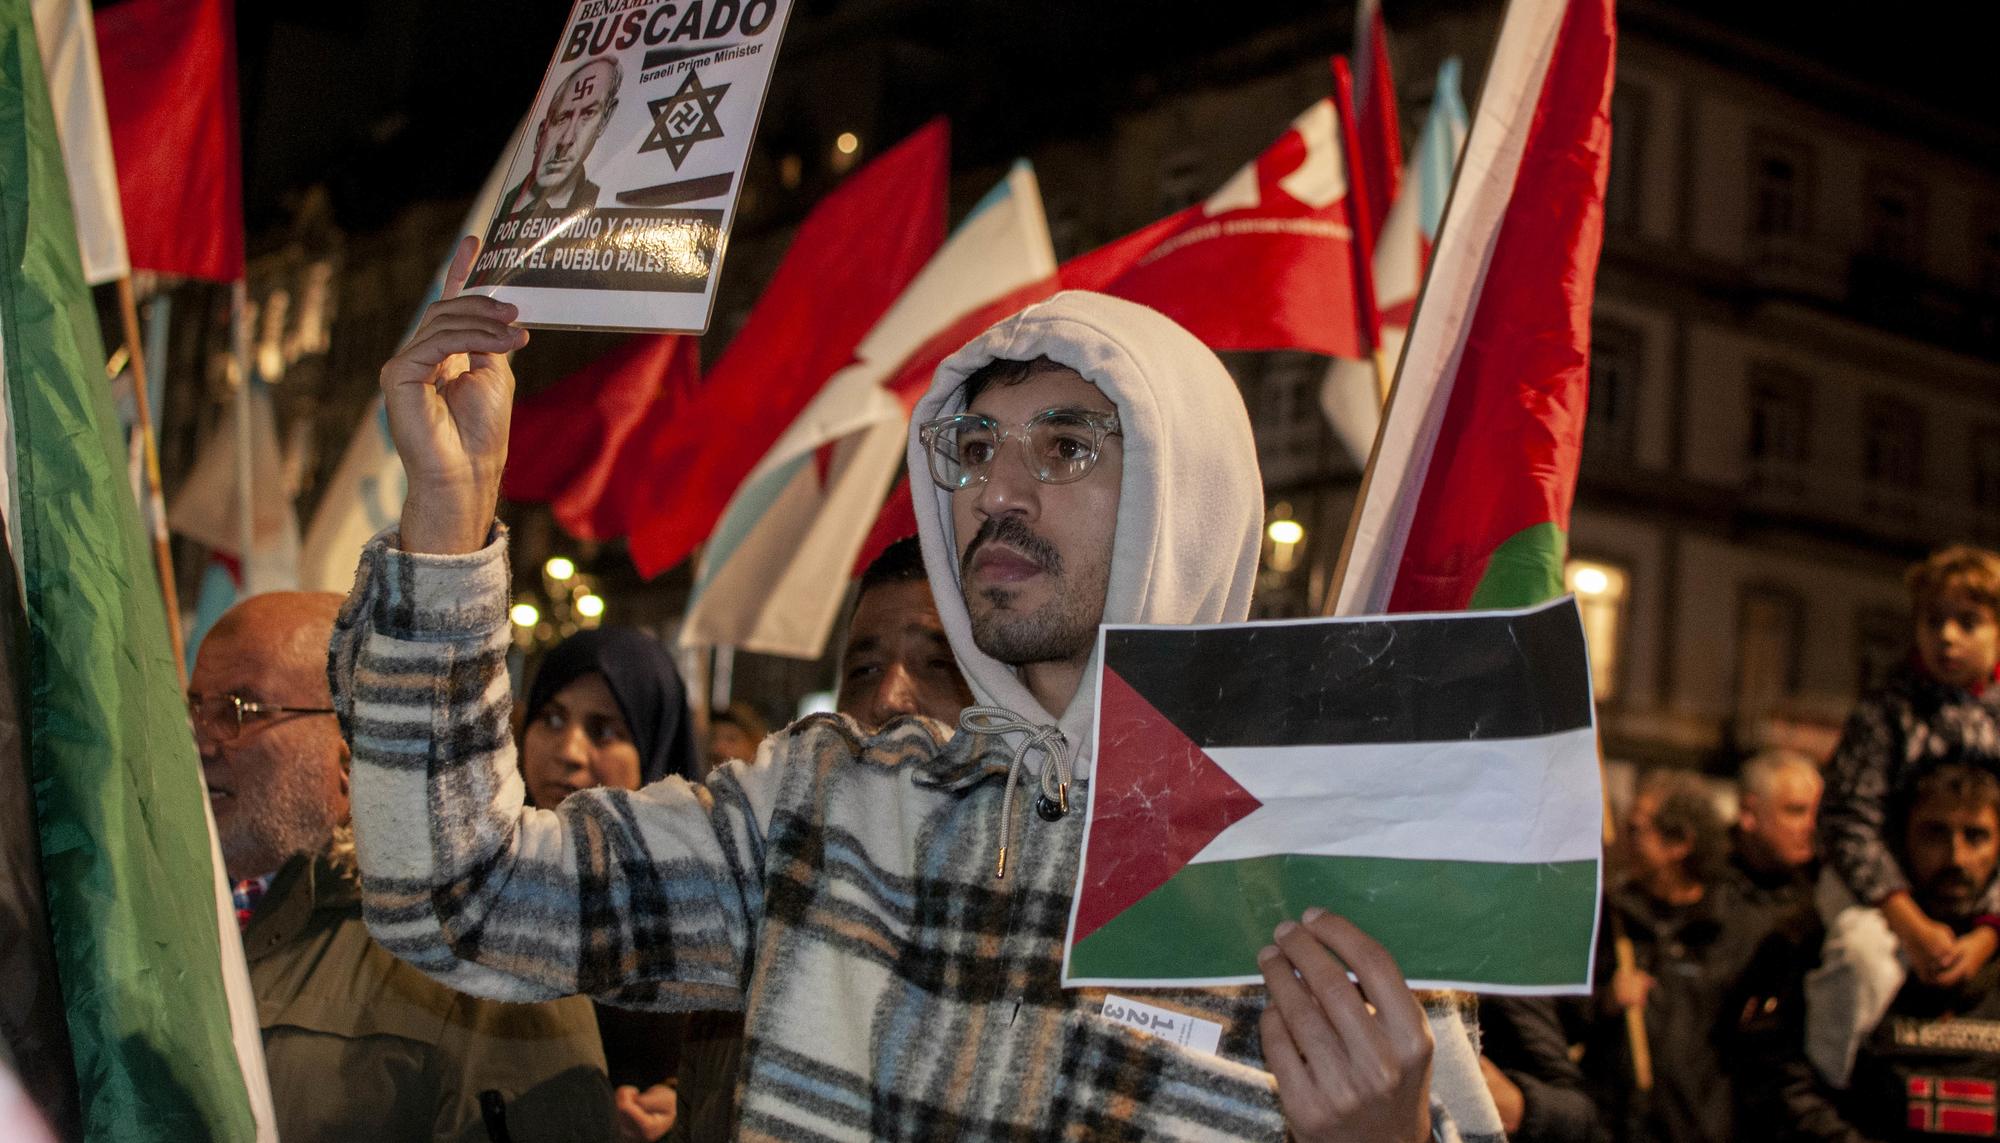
point(1352, 1057)
point(449, 393)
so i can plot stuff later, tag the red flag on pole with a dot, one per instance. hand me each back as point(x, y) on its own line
point(852, 257)
point(1379, 137)
point(169, 71)
point(1266, 262)
point(573, 445)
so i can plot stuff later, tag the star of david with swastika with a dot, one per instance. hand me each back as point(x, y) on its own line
point(684, 118)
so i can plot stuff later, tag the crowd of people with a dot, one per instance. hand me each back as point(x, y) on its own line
point(850, 928)
point(1821, 968)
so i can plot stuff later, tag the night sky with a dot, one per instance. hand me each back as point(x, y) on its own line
point(389, 102)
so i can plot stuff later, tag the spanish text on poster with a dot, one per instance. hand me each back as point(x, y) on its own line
point(1433, 778)
point(620, 196)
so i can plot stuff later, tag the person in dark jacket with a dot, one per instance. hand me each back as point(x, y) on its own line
point(1931, 1067)
point(1524, 1049)
point(1694, 948)
point(1940, 705)
point(359, 1045)
point(607, 708)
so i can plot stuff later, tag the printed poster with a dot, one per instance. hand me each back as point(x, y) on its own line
point(1434, 778)
point(619, 196)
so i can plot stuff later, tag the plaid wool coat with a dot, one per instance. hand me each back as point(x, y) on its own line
point(840, 888)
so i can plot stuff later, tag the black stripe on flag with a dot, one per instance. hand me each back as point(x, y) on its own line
point(1442, 678)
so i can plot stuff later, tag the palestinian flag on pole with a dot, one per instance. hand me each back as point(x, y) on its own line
point(126, 849)
point(1466, 500)
point(1433, 778)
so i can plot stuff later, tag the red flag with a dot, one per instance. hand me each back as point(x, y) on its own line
point(1468, 501)
point(1268, 262)
point(571, 445)
point(897, 520)
point(1379, 137)
point(853, 255)
point(170, 92)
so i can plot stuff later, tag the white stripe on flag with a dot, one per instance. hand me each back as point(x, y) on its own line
point(246, 1031)
point(1478, 205)
point(68, 41)
point(1480, 800)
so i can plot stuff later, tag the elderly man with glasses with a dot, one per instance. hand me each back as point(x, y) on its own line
point(359, 1044)
point(888, 906)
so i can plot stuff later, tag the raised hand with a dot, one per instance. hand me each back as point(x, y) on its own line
point(449, 393)
point(1353, 1062)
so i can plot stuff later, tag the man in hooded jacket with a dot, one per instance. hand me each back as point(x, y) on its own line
point(885, 908)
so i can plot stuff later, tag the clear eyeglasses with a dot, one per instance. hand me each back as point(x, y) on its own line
point(227, 717)
point(1060, 445)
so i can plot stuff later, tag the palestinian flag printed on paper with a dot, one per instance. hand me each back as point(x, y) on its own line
point(1434, 778)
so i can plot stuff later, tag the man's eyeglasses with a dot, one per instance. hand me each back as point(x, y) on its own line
point(1061, 445)
point(224, 718)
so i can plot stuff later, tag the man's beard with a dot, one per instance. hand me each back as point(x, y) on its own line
point(1949, 896)
point(285, 819)
point(1064, 628)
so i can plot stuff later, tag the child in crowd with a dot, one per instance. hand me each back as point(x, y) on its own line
point(1941, 706)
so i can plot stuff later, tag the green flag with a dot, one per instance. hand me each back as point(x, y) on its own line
point(125, 844)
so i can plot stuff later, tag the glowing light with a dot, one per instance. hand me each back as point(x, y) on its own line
point(1285, 531)
point(559, 568)
point(1590, 581)
point(524, 615)
point(847, 143)
point(589, 606)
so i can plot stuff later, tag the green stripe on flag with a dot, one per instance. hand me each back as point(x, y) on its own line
point(125, 844)
point(1525, 570)
point(1534, 920)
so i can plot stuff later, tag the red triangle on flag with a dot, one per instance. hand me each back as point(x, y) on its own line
point(1159, 800)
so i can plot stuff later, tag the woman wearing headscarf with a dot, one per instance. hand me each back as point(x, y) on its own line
point(607, 708)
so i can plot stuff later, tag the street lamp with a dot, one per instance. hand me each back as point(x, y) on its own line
point(559, 568)
point(1285, 535)
point(525, 615)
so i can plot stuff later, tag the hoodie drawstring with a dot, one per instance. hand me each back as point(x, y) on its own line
point(1054, 802)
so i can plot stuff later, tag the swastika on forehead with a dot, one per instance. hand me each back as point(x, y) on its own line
point(685, 118)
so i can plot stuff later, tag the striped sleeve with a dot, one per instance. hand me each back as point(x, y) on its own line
point(645, 899)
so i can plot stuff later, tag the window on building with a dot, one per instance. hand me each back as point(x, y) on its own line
point(1895, 216)
point(1780, 416)
point(1631, 122)
point(1617, 365)
point(1892, 450)
point(1600, 589)
point(1781, 187)
point(1770, 625)
point(1295, 443)
point(1986, 468)
point(1881, 640)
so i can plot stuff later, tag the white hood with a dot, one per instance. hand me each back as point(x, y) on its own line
point(1191, 510)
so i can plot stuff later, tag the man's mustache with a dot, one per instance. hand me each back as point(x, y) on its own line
point(1953, 881)
point(1011, 531)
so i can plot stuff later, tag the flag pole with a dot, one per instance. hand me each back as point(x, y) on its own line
point(1627, 960)
point(246, 526)
point(154, 510)
point(1361, 211)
